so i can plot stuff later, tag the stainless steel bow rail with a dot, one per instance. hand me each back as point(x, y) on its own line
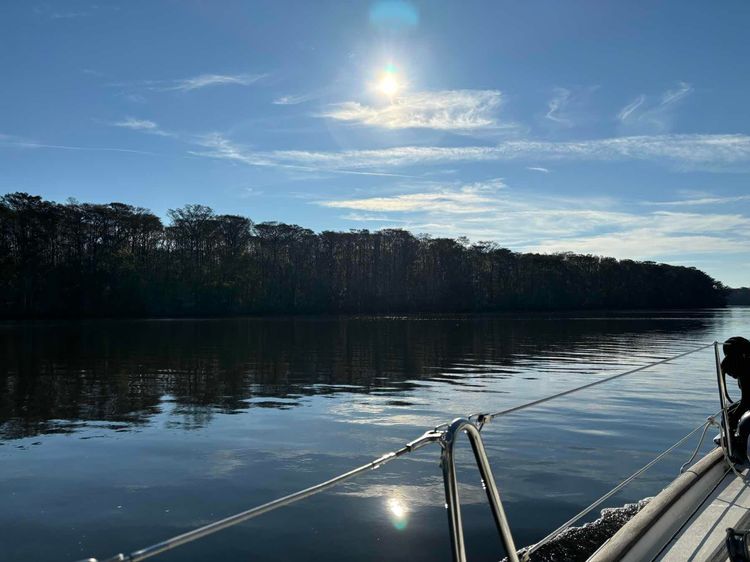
point(446, 436)
point(448, 463)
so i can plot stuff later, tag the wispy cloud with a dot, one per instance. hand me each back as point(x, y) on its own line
point(48, 10)
point(484, 210)
point(53, 11)
point(443, 110)
point(645, 243)
point(134, 89)
point(653, 114)
point(68, 15)
point(698, 201)
point(556, 106)
point(686, 151)
point(568, 107)
point(295, 99)
point(14, 142)
point(141, 125)
point(538, 169)
point(693, 150)
point(680, 91)
point(217, 146)
point(466, 199)
point(206, 80)
point(626, 111)
point(525, 221)
point(365, 217)
point(251, 192)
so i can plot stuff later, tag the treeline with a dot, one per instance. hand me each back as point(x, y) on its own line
point(739, 297)
point(81, 259)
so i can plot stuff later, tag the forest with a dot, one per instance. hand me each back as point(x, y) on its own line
point(739, 297)
point(92, 260)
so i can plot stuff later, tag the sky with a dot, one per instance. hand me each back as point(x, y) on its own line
point(606, 127)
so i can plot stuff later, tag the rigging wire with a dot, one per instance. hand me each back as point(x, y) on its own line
point(705, 425)
point(486, 418)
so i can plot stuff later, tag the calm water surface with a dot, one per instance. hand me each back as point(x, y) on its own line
point(117, 434)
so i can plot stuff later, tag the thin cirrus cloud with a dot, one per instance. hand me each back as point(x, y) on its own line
point(293, 99)
point(655, 113)
point(628, 110)
point(676, 94)
point(214, 145)
point(688, 150)
point(442, 110)
point(556, 106)
point(444, 201)
point(143, 125)
point(466, 199)
point(48, 11)
point(206, 80)
point(483, 210)
point(548, 224)
point(714, 151)
point(567, 106)
point(699, 201)
point(692, 150)
point(15, 142)
point(645, 243)
point(365, 217)
point(193, 83)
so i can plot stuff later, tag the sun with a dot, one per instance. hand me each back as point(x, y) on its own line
point(389, 83)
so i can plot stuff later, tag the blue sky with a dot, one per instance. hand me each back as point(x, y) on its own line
point(614, 128)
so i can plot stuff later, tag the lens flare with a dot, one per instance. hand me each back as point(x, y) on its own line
point(394, 15)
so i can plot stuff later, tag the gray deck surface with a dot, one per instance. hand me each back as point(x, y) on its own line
point(702, 537)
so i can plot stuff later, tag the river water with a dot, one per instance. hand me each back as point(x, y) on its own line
point(118, 434)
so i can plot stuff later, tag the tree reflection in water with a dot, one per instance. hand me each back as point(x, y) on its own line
point(57, 376)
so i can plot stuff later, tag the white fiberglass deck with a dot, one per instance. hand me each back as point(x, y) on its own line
point(702, 538)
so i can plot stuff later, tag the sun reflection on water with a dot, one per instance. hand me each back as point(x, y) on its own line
point(399, 513)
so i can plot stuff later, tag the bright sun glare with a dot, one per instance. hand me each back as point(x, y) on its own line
point(397, 508)
point(389, 83)
point(399, 513)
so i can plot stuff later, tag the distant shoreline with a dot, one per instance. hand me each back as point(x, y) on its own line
point(614, 313)
point(82, 260)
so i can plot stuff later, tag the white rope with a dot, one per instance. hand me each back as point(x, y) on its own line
point(709, 422)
